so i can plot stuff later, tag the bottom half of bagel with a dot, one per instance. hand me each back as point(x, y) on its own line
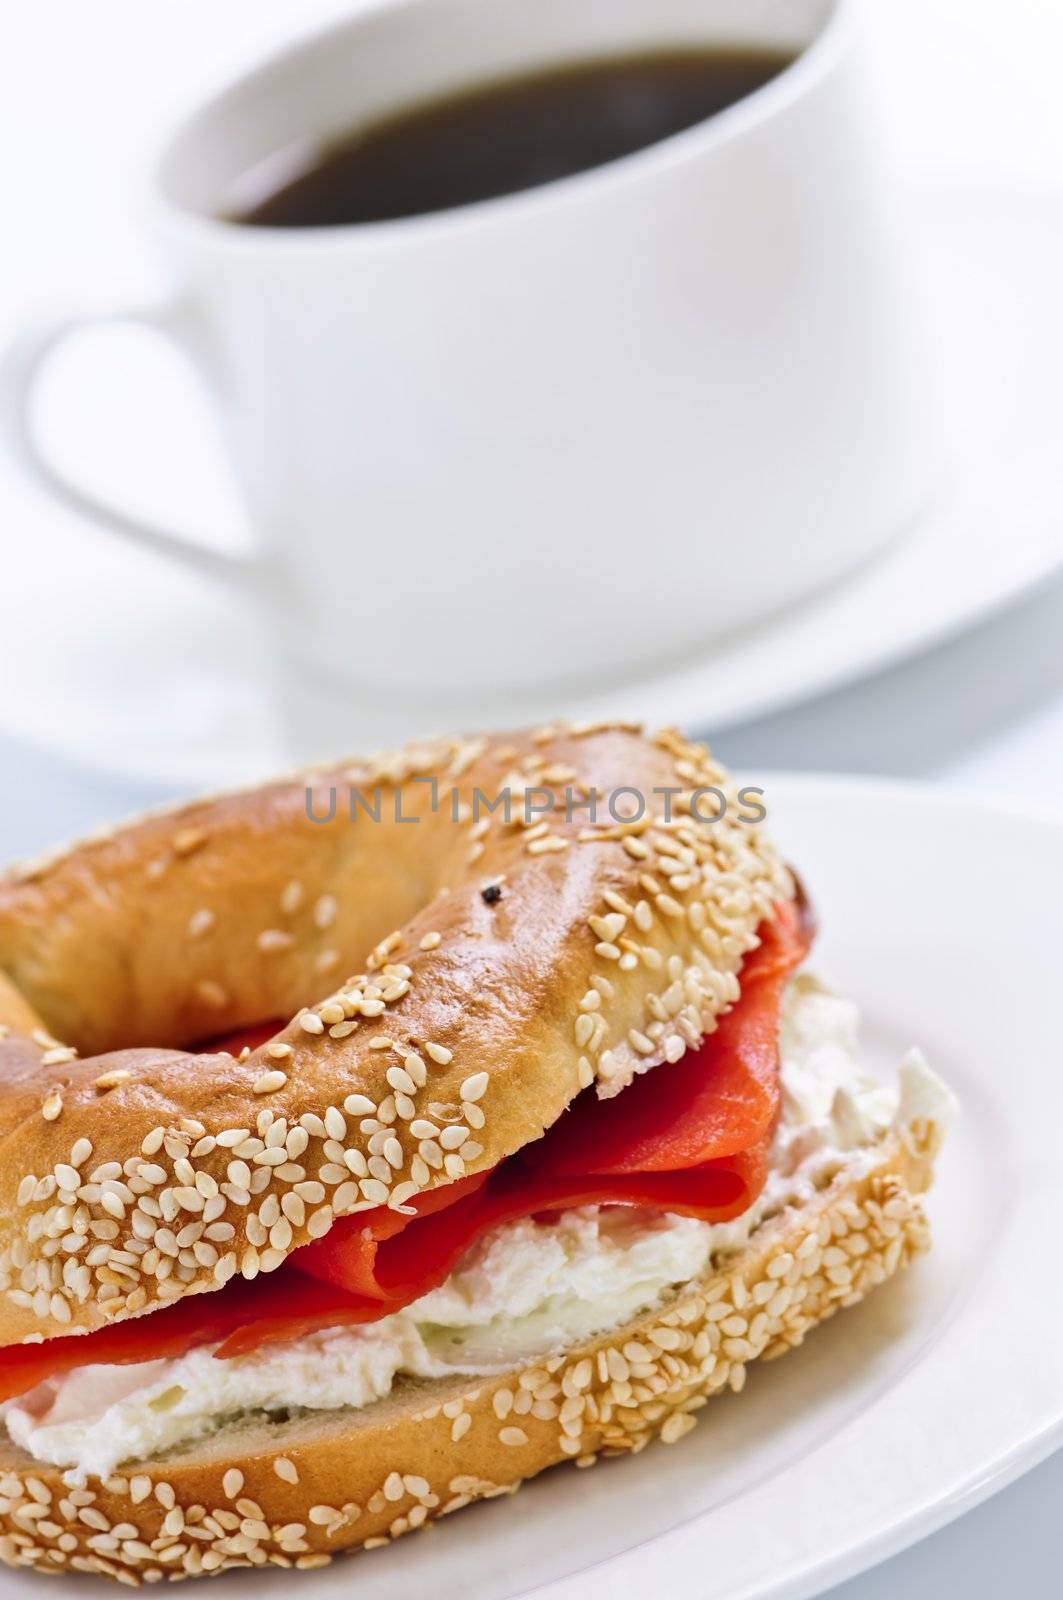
point(585, 1335)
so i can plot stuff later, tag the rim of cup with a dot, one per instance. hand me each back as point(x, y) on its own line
point(812, 62)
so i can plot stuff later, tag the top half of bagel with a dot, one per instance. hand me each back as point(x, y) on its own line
point(461, 942)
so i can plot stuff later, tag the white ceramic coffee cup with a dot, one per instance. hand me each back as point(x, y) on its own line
point(569, 432)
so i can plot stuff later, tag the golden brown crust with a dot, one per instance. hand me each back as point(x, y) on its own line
point(296, 1493)
point(16, 1013)
point(142, 1174)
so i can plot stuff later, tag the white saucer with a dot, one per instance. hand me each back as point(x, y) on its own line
point(905, 1411)
point(140, 671)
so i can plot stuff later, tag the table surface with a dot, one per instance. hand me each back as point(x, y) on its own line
point(983, 713)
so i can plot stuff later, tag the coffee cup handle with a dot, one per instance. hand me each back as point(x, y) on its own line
point(21, 366)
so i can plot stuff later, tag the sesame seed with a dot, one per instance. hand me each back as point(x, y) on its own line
point(278, 1050)
point(581, 1374)
point(269, 1082)
point(512, 1436)
point(335, 1123)
point(310, 1022)
point(546, 846)
point(416, 1068)
point(475, 1088)
point(58, 1056)
point(344, 1199)
point(200, 922)
point(111, 1080)
point(210, 993)
point(271, 940)
point(286, 1469)
point(358, 1105)
point(431, 941)
point(635, 848)
point(80, 1152)
point(291, 897)
point(232, 1482)
point(52, 1106)
point(325, 911)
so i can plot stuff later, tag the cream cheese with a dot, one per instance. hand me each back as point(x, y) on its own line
point(523, 1290)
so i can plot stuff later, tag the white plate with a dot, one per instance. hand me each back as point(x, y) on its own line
point(939, 916)
point(141, 671)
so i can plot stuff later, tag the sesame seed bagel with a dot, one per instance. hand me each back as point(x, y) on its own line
point(293, 1493)
point(499, 967)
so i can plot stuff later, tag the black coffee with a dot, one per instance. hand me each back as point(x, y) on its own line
point(501, 137)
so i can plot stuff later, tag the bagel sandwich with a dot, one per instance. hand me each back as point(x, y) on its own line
point(376, 1138)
